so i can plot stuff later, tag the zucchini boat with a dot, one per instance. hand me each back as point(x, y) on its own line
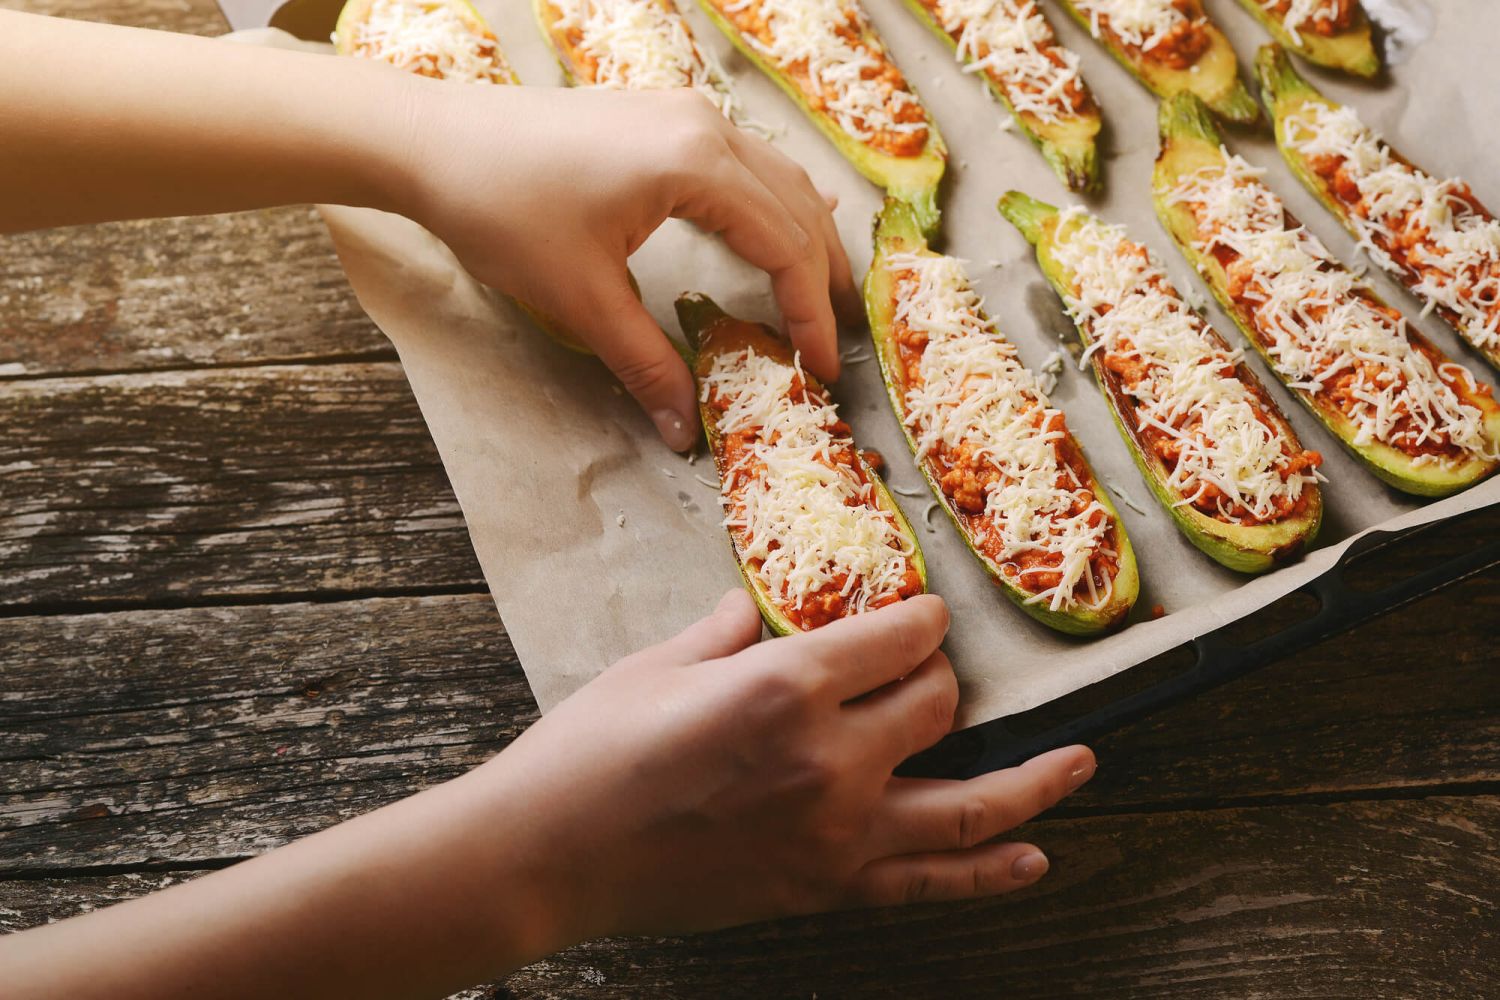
point(1418, 420)
point(441, 40)
point(1434, 236)
point(827, 57)
point(816, 534)
point(1172, 47)
point(630, 45)
point(1212, 445)
point(1331, 33)
point(996, 454)
point(1011, 44)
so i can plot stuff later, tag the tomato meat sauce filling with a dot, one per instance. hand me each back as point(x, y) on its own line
point(830, 52)
point(1225, 449)
point(431, 39)
point(1172, 33)
point(802, 508)
point(1001, 455)
point(1015, 47)
point(1326, 333)
point(1324, 17)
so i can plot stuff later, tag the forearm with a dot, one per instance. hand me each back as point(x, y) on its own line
point(420, 899)
point(103, 122)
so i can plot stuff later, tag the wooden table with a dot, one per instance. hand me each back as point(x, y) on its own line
point(241, 606)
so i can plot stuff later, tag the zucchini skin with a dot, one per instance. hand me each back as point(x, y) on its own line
point(896, 231)
point(913, 179)
point(1189, 141)
point(1245, 549)
point(701, 318)
point(1286, 93)
point(1215, 77)
point(1351, 51)
point(1068, 147)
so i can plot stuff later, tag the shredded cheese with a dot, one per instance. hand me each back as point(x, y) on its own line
point(430, 38)
point(803, 518)
point(639, 45)
point(1011, 42)
point(1429, 233)
point(1141, 24)
point(974, 402)
point(1224, 455)
point(1323, 333)
point(831, 45)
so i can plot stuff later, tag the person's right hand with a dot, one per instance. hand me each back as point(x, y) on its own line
point(712, 780)
point(545, 193)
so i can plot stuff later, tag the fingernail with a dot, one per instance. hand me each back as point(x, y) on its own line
point(673, 429)
point(1029, 867)
point(1083, 772)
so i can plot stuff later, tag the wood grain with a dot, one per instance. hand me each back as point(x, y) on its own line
point(186, 486)
point(255, 287)
point(1371, 900)
point(197, 17)
point(189, 735)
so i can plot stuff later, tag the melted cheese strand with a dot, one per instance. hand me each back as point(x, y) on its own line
point(1322, 335)
point(641, 45)
point(431, 39)
point(832, 42)
point(1011, 42)
point(801, 518)
point(1424, 231)
point(1187, 390)
point(976, 399)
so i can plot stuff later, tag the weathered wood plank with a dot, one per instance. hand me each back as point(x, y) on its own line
point(198, 17)
point(1392, 899)
point(203, 484)
point(217, 732)
point(170, 293)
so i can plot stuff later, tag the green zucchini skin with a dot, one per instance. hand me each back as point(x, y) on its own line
point(1286, 95)
point(1069, 147)
point(1245, 549)
point(913, 179)
point(1190, 141)
point(708, 330)
point(1215, 77)
point(897, 231)
point(1351, 51)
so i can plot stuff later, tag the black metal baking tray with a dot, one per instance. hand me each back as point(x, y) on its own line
point(1214, 659)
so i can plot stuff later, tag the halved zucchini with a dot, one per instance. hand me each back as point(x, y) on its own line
point(709, 332)
point(896, 231)
point(1290, 98)
point(1352, 50)
point(1190, 142)
point(1067, 144)
point(913, 179)
point(1214, 76)
point(1247, 549)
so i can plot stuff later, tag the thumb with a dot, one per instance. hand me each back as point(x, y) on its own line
point(731, 627)
point(630, 342)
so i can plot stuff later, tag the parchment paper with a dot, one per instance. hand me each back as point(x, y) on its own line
point(546, 454)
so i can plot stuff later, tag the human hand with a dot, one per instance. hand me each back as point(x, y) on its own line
point(711, 780)
point(545, 193)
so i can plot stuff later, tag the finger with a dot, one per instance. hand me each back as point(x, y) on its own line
point(814, 212)
point(928, 878)
point(855, 655)
point(625, 337)
point(923, 815)
point(760, 228)
point(732, 626)
point(910, 715)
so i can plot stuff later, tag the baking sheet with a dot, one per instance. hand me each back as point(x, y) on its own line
point(547, 457)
